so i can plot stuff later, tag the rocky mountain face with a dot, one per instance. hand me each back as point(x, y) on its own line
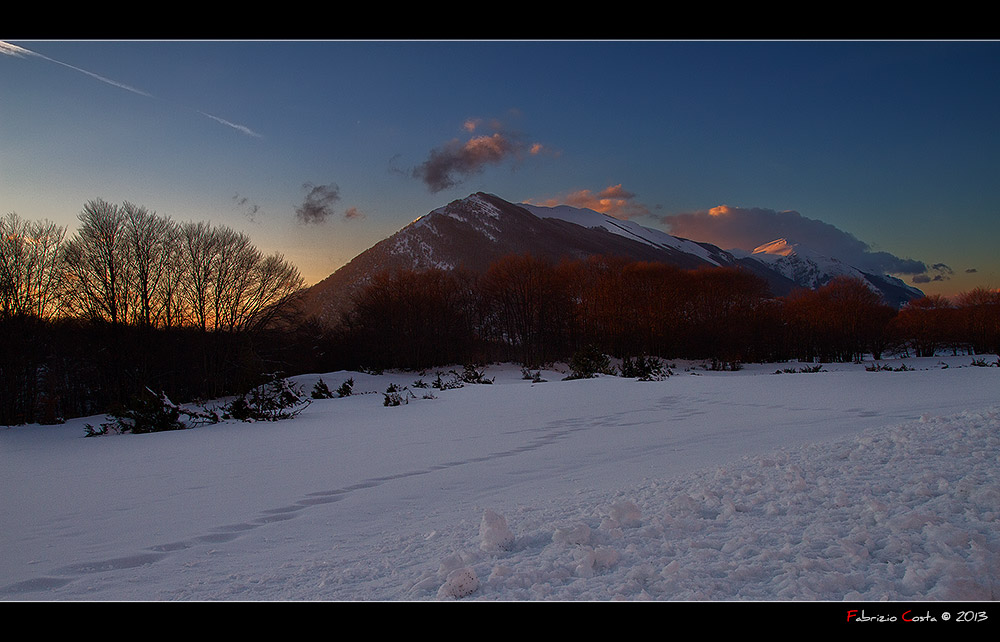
point(473, 232)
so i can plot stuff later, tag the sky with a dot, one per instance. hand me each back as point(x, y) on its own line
point(888, 151)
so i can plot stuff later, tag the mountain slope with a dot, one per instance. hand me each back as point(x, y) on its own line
point(475, 231)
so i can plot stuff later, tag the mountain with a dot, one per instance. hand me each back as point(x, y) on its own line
point(810, 269)
point(475, 231)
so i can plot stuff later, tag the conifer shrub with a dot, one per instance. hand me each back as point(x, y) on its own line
point(472, 374)
point(396, 396)
point(346, 389)
point(274, 400)
point(321, 391)
point(588, 362)
point(151, 412)
point(645, 368)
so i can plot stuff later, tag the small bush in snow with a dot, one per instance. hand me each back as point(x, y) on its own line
point(534, 377)
point(450, 384)
point(589, 362)
point(321, 391)
point(472, 375)
point(721, 365)
point(150, 413)
point(346, 388)
point(885, 367)
point(272, 401)
point(645, 368)
point(816, 368)
point(396, 396)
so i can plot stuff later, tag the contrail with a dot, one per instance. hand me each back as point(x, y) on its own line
point(243, 128)
point(21, 52)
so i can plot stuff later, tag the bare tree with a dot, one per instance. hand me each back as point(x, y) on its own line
point(30, 266)
point(98, 265)
point(146, 236)
point(197, 252)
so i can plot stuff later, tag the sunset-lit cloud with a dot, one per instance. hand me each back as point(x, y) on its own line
point(456, 160)
point(613, 200)
point(748, 228)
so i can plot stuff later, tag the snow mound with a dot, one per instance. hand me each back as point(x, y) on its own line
point(461, 582)
point(494, 535)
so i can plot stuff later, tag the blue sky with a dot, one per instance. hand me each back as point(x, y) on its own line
point(320, 149)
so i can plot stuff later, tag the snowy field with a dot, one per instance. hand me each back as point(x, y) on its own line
point(838, 485)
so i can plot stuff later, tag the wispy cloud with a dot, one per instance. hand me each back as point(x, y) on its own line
point(242, 128)
point(936, 272)
point(613, 200)
point(20, 52)
point(453, 162)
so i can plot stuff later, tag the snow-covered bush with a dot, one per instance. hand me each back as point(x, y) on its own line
point(321, 391)
point(148, 413)
point(588, 362)
point(450, 384)
point(534, 377)
point(645, 368)
point(274, 400)
point(346, 389)
point(470, 374)
point(396, 396)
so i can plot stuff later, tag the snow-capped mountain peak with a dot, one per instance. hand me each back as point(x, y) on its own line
point(811, 269)
point(780, 247)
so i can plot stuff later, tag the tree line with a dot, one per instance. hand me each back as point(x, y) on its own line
point(533, 311)
point(131, 299)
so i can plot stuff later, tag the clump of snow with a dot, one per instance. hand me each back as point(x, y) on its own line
point(494, 535)
point(577, 534)
point(461, 582)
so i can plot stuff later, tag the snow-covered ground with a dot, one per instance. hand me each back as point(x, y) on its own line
point(838, 485)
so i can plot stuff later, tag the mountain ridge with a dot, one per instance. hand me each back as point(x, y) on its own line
point(472, 232)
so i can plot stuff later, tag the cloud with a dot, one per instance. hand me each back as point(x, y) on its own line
point(318, 204)
point(936, 272)
point(250, 209)
point(748, 228)
point(21, 52)
point(456, 160)
point(613, 200)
